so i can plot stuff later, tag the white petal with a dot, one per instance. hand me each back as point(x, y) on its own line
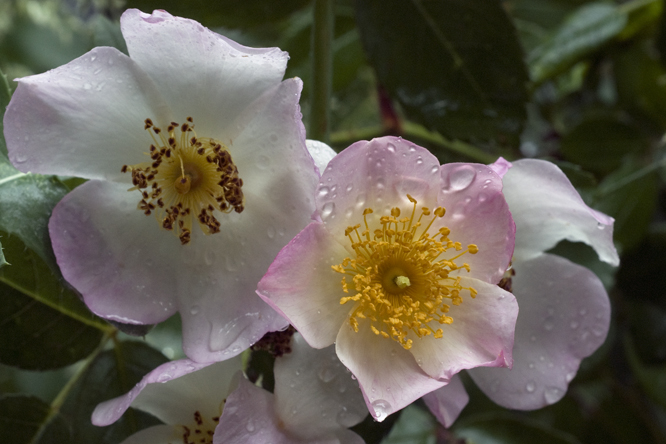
point(387, 373)
point(548, 209)
point(315, 394)
point(200, 73)
point(481, 333)
point(564, 317)
point(85, 118)
point(447, 402)
point(320, 152)
point(159, 434)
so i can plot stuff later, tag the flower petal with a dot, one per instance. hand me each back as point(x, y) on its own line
point(116, 257)
point(228, 76)
point(564, 317)
point(548, 209)
point(314, 393)
point(85, 118)
point(377, 174)
point(447, 402)
point(249, 416)
point(481, 333)
point(159, 434)
point(301, 285)
point(174, 391)
point(320, 152)
point(500, 166)
point(387, 373)
point(477, 213)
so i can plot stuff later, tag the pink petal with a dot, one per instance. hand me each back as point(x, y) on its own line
point(564, 317)
point(301, 285)
point(85, 118)
point(315, 394)
point(548, 209)
point(377, 174)
point(388, 375)
point(476, 213)
point(173, 392)
point(500, 166)
point(201, 74)
point(481, 333)
point(447, 402)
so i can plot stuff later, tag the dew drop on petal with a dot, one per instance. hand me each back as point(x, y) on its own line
point(391, 148)
point(381, 408)
point(270, 231)
point(249, 426)
point(209, 257)
point(553, 394)
point(326, 374)
point(548, 325)
point(194, 310)
point(461, 177)
point(328, 210)
point(569, 377)
point(323, 191)
point(530, 387)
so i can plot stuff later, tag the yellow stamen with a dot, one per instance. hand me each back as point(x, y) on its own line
point(401, 277)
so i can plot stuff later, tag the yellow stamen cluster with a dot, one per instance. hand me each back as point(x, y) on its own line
point(401, 275)
point(187, 177)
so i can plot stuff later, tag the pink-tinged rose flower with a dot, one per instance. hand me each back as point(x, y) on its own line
point(401, 271)
point(315, 401)
point(564, 308)
point(198, 175)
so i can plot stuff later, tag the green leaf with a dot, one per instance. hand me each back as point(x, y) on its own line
point(5, 96)
point(415, 426)
point(111, 374)
point(641, 275)
point(584, 32)
point(34, 336)
point(29, 420)
point(599, 144)
point(652, 378)
point(32, 277)
point(629, 195)
point(504, 429)
point(455, 66)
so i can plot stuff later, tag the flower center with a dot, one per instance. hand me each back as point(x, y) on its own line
point(201, 430)
point(187, 177)
point(400, 276)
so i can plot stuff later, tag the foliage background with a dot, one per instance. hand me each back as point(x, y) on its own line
point(581, 83)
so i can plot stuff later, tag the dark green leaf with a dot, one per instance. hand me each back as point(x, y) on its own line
point(111, 374)
point(599, 144)
point(230, 13)
point(652, 378)
point(455, 66)
point(26, 202)
point(648, 322)
point(504, 429)
point(5, 96)
point(629, 196)
point(415, 426)
point(584, 32)
point(641, 275)
point(34, 336)
point(31, 276)
point(107, 33)
point(29, 420)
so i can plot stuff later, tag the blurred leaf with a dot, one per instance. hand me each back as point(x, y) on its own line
point(111, 374)
point(641, 275)
point(32, 277)
point(642, 16)
point(641, 82)
point(107, 33)
point(230, 13)
point(455, 66)
point(599, 144)
point(504, 429)
point(34, 336)
point(652, 378)
point(583, 254)
point(648, 322)
point(29, 420)
point(415, 426)
point(578, 177)
point(584, 32)
point(5, 96)
point(629, 196)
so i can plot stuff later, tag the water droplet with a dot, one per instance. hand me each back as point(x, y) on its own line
point(92, 59)
point(548, 325)
point(598, 330)
point(263, 162)
point(195, 309)
point(391, 148)
point(569, 377)
point(419, 160)
point(360, 200)
point(461, 177)
point(412, 149)
point(323, 191)
point(326, 374)
point(434, 170)
point(270, 231)
point(531, 365)
point(250, 426)
point(600, 226)
point(328, 210)
point(235, 349)
point(349, 187)
point(381, 408)
point(573, 325)
point(482, 197)
point(209, 257)
point(582, 312)
point(87, 86)
point(164, 377)
point(553, 394)
point(530, 387)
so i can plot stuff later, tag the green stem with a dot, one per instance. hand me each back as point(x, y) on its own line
point(322, 69)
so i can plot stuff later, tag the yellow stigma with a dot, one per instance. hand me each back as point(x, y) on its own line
point(401, 275)
point(187, 177)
